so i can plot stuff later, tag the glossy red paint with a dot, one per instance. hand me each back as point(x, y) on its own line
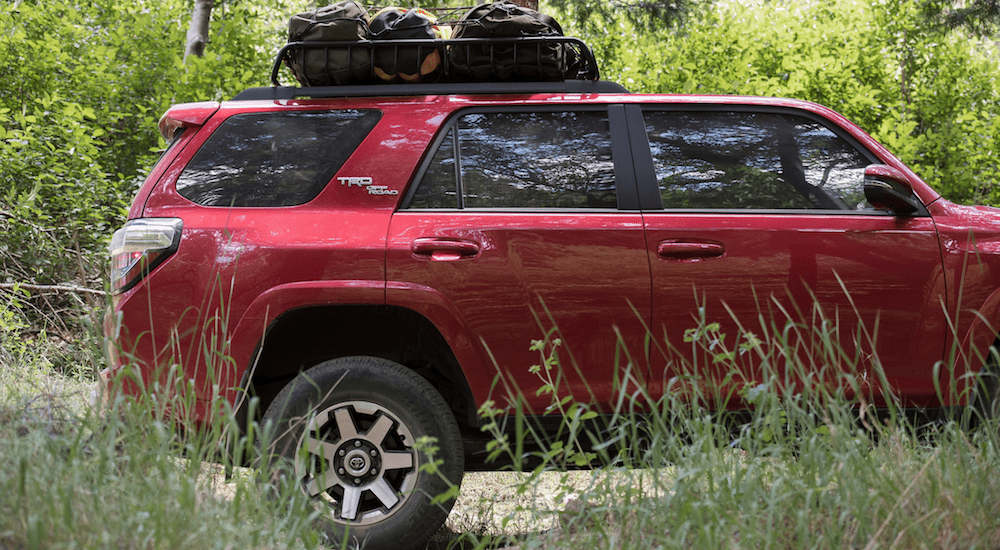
point(490, 283)
point(879, 277)
point(970, 246)
point(585, 275)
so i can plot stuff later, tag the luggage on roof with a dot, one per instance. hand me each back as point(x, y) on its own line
point(414, 64)
point(506, 60)
point(341, 22)
point(342, 44)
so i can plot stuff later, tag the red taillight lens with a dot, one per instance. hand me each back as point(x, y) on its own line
point(140, 246)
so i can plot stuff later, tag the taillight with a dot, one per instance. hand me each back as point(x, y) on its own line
point(140, 246)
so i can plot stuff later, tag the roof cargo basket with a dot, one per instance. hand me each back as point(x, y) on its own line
point(522, 59)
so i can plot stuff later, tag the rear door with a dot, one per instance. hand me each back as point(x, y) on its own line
point(523, 224)
point(756, 220)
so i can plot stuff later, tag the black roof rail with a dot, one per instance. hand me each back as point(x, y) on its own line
point(275, 93)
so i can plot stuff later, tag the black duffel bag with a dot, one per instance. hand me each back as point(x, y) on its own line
point(521, 61)
point(407, 63)
point(317, 66)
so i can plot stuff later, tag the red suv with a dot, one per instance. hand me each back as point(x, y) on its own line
point(366, 260)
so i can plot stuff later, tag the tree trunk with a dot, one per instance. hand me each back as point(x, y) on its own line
point(197, 35)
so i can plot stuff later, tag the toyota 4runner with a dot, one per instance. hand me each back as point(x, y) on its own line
point(367, 261)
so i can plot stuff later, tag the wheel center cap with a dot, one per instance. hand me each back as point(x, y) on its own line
point(356, 462)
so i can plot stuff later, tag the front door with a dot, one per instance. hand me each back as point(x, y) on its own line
point(764, 229)
point(516, 226)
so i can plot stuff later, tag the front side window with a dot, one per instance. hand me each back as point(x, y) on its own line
point(739, 160)
point(521, 160)
point(273, 159)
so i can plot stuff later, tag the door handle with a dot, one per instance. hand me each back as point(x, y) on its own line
point(675, 249)
point(437, 248)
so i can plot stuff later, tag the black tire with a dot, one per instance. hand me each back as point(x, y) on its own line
point(367, 413)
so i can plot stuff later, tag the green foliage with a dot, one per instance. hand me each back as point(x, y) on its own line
point(932, 97)
point(820, 52)
point(980, 17)
point(646, 14)
point(82, 85)
point(12, 347)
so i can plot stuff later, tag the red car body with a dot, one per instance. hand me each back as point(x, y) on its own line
point(374, 264)
point(489, 282)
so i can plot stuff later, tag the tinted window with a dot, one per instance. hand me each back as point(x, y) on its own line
point(273, 159)
point(753, 160)
point(438, 187)
point(521, 160)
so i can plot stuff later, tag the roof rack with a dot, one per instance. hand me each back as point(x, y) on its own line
point(278, 93)
point(524, 54)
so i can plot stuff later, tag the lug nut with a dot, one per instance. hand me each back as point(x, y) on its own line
point(341, 471)
point(374, 453)
point(342, 452)
point(374, 471)
point(357, 481)
point(357, 443)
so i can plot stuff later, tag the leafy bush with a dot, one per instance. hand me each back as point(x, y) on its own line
point(82, 85)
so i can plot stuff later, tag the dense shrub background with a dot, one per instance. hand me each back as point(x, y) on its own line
point(82, 85)
point(83, 82)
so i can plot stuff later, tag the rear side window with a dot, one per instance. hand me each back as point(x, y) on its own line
point(273, 159)
point(735, 160)
point(521, 160)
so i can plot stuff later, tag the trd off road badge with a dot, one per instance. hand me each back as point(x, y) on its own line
point(367, 183)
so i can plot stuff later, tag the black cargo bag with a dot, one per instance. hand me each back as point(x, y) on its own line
point(523, 61)
point(318, 66)
point(407, 63)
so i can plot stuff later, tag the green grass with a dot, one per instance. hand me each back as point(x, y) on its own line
point(809, 467)
point(897, 494)
point(72, 478)
point(802, 471)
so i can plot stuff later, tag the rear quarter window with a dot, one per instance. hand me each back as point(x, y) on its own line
point(273, 159)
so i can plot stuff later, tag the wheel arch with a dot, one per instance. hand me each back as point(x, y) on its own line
point(302, 337)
